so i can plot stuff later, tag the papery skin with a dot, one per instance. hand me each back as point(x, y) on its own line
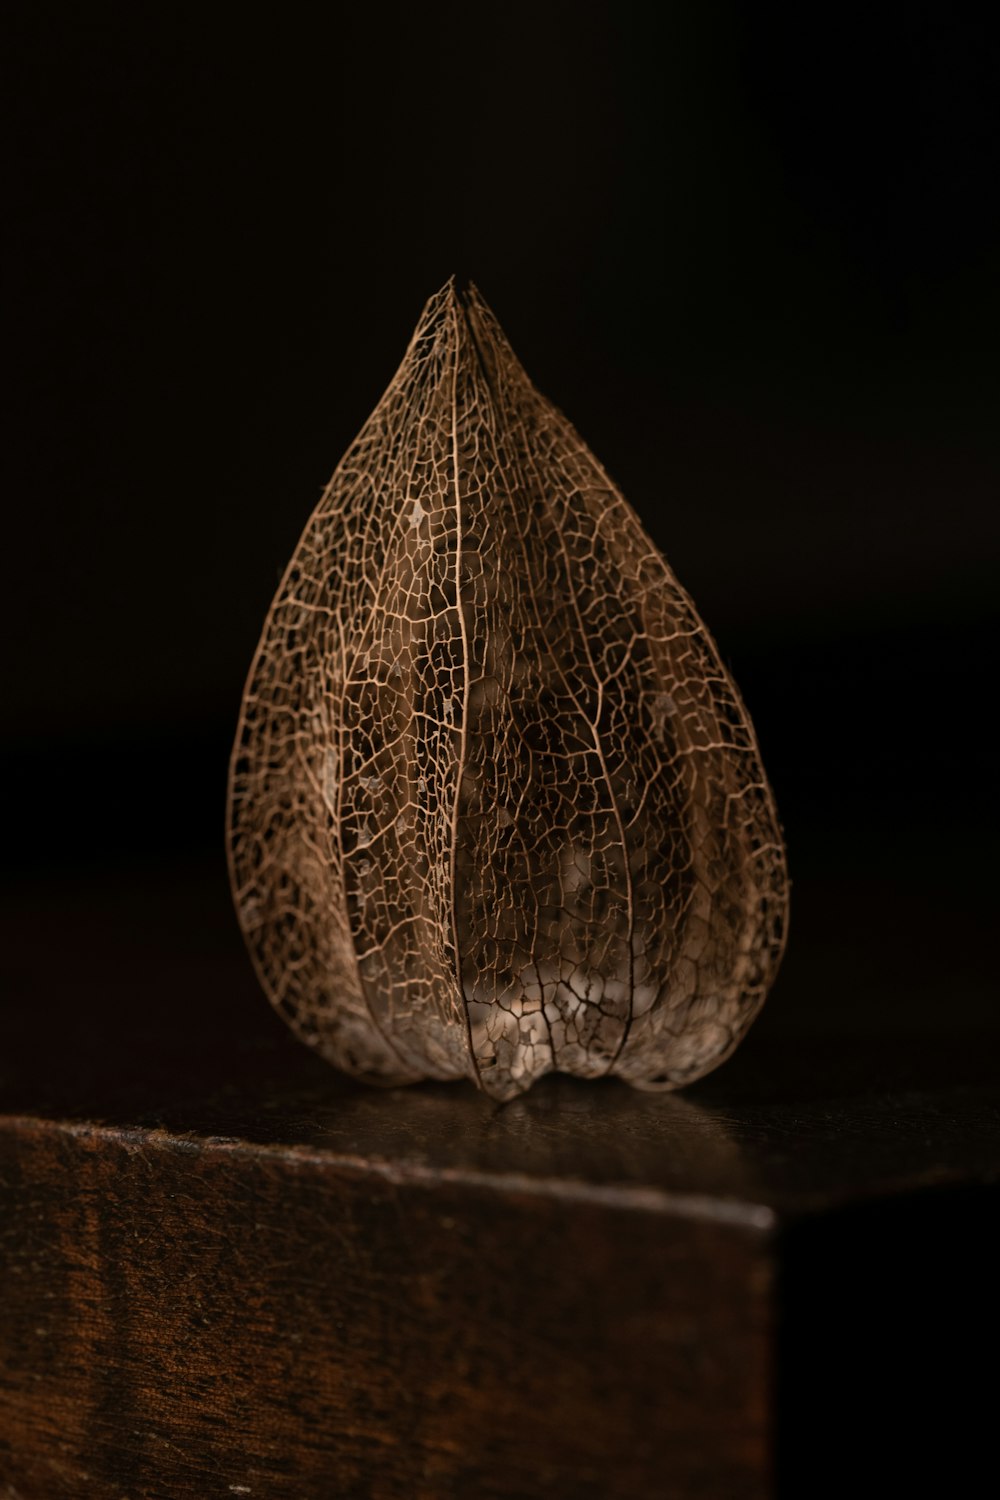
point(495, 807)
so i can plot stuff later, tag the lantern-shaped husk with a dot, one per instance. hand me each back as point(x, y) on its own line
point(496, 808)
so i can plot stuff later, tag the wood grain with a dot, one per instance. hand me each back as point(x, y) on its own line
point(193, 1317)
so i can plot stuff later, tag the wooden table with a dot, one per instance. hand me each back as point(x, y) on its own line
point(228, 1271)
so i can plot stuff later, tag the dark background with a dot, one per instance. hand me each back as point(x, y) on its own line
point(753, 252)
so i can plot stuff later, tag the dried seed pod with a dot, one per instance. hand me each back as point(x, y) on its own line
point(496, 808)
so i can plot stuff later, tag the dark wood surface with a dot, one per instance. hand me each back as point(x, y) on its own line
point(228, 1270)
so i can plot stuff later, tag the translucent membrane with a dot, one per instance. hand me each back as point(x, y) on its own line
point(496, 808)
